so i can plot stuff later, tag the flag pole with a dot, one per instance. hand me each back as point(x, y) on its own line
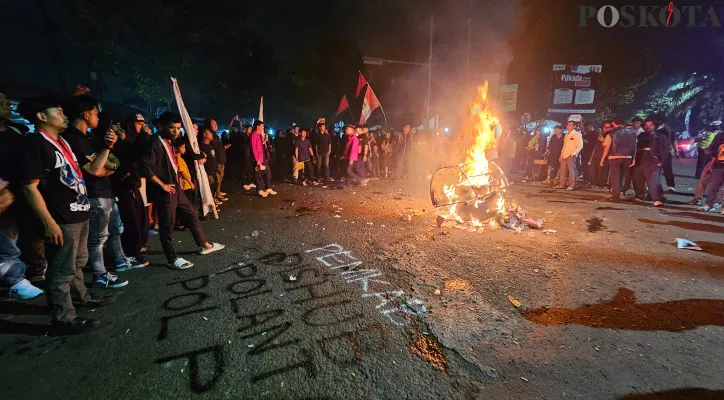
point(387, 126)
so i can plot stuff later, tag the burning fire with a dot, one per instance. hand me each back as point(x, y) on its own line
point(477, 196)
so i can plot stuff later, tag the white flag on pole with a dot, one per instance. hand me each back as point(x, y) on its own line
point(261, 109)
point(207, 198)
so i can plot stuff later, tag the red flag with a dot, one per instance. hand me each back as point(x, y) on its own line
point(343, 104)
point(361, 82)
point(368, 105)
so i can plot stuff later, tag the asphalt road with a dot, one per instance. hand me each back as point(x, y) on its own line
point(328, 293)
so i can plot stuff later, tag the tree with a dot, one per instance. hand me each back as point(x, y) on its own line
point(203, 44)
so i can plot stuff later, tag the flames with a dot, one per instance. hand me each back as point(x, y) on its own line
point(476, 197)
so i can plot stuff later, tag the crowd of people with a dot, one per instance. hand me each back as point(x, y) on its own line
point(84, 192)
point(80, 192)
point(619, 157)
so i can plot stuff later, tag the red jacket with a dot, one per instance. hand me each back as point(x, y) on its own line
point(256, 147)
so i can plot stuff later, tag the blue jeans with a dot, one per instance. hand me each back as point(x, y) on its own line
point(12, 270)
point(104, 227)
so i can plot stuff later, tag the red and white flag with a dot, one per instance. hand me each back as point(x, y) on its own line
point(368, 105)
point(343, 104)
point(361, 83)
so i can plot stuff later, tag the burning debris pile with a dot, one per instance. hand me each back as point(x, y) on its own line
point(472, 195)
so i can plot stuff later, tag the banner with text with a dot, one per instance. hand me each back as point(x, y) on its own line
point(508, 97)
point(574, 88)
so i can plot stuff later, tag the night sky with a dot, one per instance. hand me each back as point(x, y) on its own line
point(519, 39)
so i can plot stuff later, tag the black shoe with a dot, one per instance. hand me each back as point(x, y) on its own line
point(96, 302)
point(74, 327)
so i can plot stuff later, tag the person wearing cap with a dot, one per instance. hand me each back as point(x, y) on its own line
point(160, 168)
point(572, 146)
point(55, 188)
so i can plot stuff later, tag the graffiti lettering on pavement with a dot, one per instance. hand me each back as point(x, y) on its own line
point(395, 305)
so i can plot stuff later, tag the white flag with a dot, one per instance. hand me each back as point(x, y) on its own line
point(207, 198)
point(261, 109)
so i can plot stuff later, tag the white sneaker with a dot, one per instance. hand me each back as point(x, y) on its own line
point(658, 204)
point(715, 208)
point(180, 263)
point(262, 193)
point(247, 187)
point(705, 207)
point(222, 194)
point(25, 290)
point(304, 183)
point(253, 186)
point(271, 192)
point(214, 247)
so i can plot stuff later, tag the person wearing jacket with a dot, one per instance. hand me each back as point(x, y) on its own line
point(160, 168)
point(619, 147)
point(261, 160)
point(651, 148)
point(572, 146)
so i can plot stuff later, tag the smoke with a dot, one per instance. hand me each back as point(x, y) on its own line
point(471, 40)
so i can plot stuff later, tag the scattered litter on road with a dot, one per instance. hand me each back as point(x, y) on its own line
point(533, 223)
point(337, 216)
point(549, 231)
point(536, 270)
point(548, 212)
point(525, 380)
point(437, 292)
point(292, 278)
point(255, 234)
point(182, 370)
point(229, 341)
point(406, 217)
point(128, 330)
point(687, 245)
point(515, 302)
point(250, 346)
point(205, 319)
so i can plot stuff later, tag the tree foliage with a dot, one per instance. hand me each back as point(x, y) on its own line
point(204, 44)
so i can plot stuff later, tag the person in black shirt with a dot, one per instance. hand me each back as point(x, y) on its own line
point(206, 145)
point(12, 269)
point(161, 169)
point(55, 188)
point(220, 151)
point(303, 153)
point(651, 149)
point(98, 164)
point(323, 149)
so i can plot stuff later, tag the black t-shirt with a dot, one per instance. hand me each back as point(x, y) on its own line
point(303, 146)
point(363, 141)
point(219, 149)
point(11, 142)
point(211, 165)
point(65, 194)
point(86, 147)
point(323, 142)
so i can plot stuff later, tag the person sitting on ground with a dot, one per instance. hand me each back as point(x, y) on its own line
point(161, 169)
